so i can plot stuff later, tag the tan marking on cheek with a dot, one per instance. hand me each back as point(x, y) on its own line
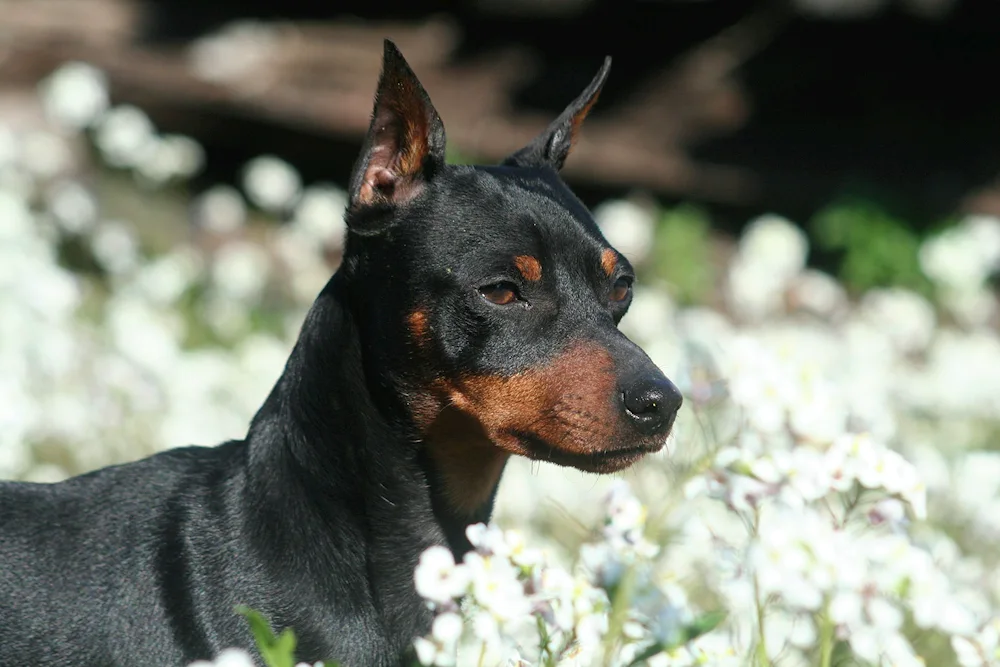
point(468, 462)
point(417, 324)
point(609, 260)
point(529, 267)
point(568, 404)
point(471, 425)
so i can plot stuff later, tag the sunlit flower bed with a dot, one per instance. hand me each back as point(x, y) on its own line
point(830, 496)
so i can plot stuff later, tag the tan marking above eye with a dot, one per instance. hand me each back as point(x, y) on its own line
point(529, 267)
point(417, 321)
point(609, 261)
point(502, 294)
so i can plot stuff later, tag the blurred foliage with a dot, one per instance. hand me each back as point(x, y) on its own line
point(682, 253)
point(874, 247)
point(276, 650)
point(455, 155)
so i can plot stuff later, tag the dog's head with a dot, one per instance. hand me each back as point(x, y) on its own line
point(490, 300)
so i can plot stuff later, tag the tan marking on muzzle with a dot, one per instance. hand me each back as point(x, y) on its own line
point(471, 424)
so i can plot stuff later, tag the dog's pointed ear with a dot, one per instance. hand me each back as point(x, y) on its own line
point(553, 145)
point(405, 144)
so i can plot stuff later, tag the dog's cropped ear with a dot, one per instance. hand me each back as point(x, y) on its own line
point(405, 144)
point(553, 145)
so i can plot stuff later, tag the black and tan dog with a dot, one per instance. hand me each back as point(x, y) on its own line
point(474, 317)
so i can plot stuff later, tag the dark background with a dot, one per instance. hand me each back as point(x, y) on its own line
point(738, 106)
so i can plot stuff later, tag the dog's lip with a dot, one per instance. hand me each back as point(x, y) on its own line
point(597, 461)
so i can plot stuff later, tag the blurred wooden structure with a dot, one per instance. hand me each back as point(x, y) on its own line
point(320, 76)
point(734, 104)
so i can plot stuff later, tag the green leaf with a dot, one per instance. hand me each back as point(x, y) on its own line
point(277, 651)
point(875, 248)
point(682, 253)
point(704, 624)
point(647, 653)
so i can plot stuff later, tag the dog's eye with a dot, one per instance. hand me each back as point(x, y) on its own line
point(621, 289)
point(502, 293)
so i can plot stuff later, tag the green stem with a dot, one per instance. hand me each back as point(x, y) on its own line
point(826, 641)
point(619, 612)
point(482, 655)
point(762, 658)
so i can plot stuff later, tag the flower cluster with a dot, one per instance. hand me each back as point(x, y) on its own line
point(235, 657)
point(507, 602)
point(829, 489)
point(503, 601)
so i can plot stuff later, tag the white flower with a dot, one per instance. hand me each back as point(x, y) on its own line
point(520, 553)
point(626, 515)
point(125, 135)
point(971, 307)
point(10, 149)
point(668, 614)
point(75, 95)
point(787, 556)
point(986, 231)
point(486, 628)
point(627, 226)
point(980, 649)
point(236, 54)
point(495, 586)
point(148, 337)
point(960, 258)
point(968, 653)
point(73, 207)
point(447, 628)
point(166, 278)
point(887, 511)
point(271, 183)
point(487, 539)
point(432, 653)
point(319, 214)
point(437, 577)
point(230, 657)
point(44, 154)
point(603, 564)
point(220, 209)
point(818, 292)
point(170, 157)
point(426, 650)
point(773, 241)
point(240, 270)
point(591, 630)
point(906, 317)
point(772, 251)
point(115, 246)
point(807, 473)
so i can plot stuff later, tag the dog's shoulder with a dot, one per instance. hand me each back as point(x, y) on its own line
point(125, 489)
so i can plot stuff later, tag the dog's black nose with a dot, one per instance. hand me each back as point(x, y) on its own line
point(652, 404)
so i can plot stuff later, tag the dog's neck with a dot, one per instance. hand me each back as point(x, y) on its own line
point(324, 422)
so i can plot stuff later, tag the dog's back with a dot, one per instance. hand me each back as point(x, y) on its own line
point(98, 569)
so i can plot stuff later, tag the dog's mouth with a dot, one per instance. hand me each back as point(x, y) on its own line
point(600, 461)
